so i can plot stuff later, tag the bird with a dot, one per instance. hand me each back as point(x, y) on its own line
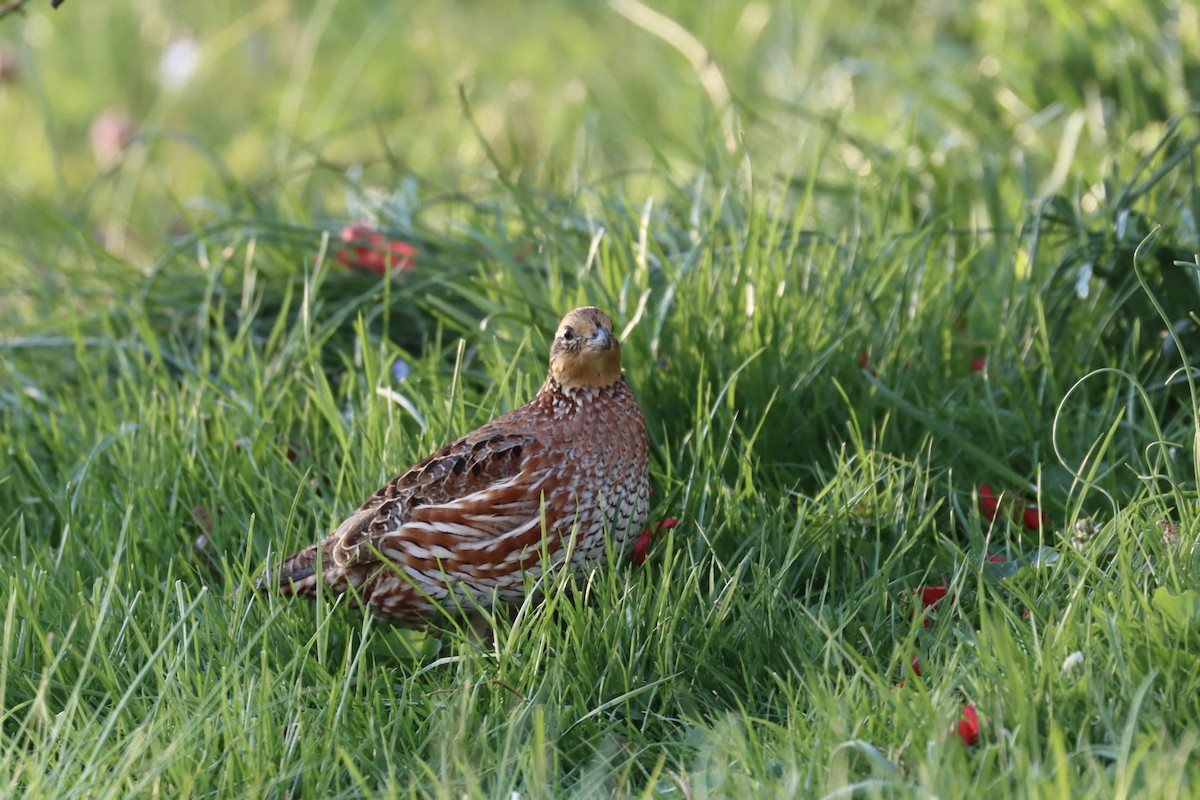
point(544, 487)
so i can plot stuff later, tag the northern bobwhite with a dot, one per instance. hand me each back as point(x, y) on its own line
point(550, 482)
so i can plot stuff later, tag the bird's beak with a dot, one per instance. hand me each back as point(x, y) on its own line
point(602, 339)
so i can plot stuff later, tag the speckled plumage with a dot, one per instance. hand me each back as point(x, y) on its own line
point(463, 527)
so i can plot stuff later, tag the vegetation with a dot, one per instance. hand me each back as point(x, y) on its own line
point(908, 294)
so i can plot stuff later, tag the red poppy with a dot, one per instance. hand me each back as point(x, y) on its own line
point(988, 503)
point(9, 68)
point(372, 251)
point(978, 364)
point(1034, 518)
point(110, 135)
point(996, 559)
point(930, 597)
point(968, 726)
point(915, 665)
point(638, 556)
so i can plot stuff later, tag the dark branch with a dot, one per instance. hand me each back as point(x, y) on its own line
point(18, 7)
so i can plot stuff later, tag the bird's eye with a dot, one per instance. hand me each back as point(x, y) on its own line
point(568, 335)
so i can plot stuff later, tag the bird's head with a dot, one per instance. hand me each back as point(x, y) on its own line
point(585, 352)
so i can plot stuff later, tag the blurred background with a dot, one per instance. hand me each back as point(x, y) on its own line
point(141, 120)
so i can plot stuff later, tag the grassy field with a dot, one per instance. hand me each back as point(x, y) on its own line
point(908, 294)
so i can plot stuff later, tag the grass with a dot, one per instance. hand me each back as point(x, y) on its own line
point(931, 257)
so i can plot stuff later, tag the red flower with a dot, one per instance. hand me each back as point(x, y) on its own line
point(988, 504)
point(9, 68)
point(968, 726)
point(930, 597)
point(371, 251)
point(915, 664)
point(996, 559)
point(978, 364)
point(110, 135)
point(638, 556)
point(1034, 518)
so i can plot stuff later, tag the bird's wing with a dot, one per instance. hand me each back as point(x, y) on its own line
point(463, 498)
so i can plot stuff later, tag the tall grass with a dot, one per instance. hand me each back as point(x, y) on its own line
point(926, 320)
